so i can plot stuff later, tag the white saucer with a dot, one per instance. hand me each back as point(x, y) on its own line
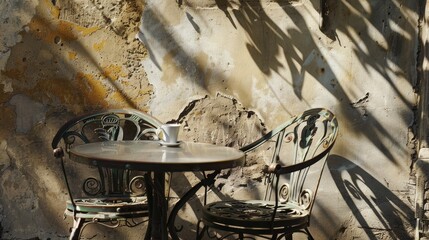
point(167, 144)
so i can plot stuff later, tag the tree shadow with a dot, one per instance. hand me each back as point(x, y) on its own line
point(154, 27)
point(365, 195)
point(269, 43)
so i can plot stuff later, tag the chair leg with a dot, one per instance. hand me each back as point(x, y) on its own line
point(77, 228)
point(148, 234)
point(310, 237)
point(200, 235)
point(289, 236)
point(241, 236)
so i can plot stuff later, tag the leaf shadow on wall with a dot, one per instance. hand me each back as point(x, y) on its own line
point(182, 61)
point(269, 43)
point(365, 196)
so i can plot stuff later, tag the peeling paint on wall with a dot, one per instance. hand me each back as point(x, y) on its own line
point(73, 63)
point(13, 16)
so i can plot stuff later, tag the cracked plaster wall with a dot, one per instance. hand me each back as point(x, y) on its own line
point(228, 71)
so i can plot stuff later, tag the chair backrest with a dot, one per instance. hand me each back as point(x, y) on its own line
point(107, 125)
point(301, 143)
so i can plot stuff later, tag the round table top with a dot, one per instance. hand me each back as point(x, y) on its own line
point(152, 156)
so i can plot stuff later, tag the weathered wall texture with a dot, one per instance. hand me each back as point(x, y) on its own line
point(228, 71)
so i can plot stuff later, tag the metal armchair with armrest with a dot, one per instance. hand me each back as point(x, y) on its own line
point(109, 196)
point(305, 141)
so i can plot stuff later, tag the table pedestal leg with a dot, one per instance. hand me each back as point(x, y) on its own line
point(149, 194)
point(205, 182)
point(159, 211)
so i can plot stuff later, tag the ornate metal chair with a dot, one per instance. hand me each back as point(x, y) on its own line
point(108, 196)
point(302, 145)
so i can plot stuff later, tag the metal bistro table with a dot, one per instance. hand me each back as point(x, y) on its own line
point(150, 156)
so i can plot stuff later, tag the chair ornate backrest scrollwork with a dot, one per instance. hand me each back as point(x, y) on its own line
point(301, 146)
point(108, 196)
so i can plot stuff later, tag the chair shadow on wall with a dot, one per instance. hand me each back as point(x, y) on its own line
point(361, 192)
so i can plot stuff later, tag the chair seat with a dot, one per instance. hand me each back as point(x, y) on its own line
point(256, 216)
point(108, 207)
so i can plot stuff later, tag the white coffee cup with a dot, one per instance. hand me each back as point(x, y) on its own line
point(169, 132)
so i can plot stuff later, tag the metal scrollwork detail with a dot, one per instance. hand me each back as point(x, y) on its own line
point(92, 186)
point(312, 119)
point(326, 143)
point(102, 134)
point(305, 198)
point(289, 137)
point(284, 193)
point(70, 139)
point(110, 120)
point(137, 185)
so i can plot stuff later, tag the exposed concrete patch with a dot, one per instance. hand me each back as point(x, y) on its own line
point(28, 112)
point(222, 120)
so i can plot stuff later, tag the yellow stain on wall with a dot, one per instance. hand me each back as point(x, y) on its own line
point(99, 46)
point(49, 31)
point(72, 55)
point(53, 10)
point(94, 92)
point(113, 72)
point(48, 9)
point(65, 30)
point(42, 29)
point(86, 31)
